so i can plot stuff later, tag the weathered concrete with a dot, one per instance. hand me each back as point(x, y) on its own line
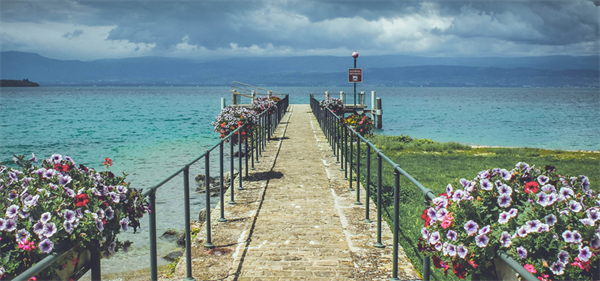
point(296, 219)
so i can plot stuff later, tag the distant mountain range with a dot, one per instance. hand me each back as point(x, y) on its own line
point(387, 70)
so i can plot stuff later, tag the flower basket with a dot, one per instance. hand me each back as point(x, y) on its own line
point(262, 104)
point(336, 105)
point(361, 123)
point(233, 117)
point(546, 221)
point(72, 264)
point(58, 205)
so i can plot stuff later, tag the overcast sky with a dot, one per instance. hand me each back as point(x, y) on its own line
point(88, 30)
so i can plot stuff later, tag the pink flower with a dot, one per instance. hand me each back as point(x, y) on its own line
point(530, 268)
point(447, 220)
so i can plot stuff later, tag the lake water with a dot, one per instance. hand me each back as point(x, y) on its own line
point(152, 132)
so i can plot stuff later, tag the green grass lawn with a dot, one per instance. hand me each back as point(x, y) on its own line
point(436, 164)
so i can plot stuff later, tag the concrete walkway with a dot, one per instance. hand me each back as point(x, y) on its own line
point(296, 219)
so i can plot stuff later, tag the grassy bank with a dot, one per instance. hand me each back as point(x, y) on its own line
point(436, 164)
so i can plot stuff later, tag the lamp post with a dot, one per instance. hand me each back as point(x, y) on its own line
point(355, 55)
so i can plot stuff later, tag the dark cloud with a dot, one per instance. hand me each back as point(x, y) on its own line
point(327, 24)
point(74, 34)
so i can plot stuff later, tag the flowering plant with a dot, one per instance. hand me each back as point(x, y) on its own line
point(233, 117)
point(361, 123)
point(336, 105)
point(60, 205)
point(275, 99)
point(542, 219)
point(264, 104)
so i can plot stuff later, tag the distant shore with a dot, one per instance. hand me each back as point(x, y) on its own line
point(18, 83)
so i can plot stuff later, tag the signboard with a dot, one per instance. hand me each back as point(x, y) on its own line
point(355, 75)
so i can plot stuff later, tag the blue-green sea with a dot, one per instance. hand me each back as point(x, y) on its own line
point(152, 132)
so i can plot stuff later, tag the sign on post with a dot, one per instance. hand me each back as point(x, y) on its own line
point(355, 75)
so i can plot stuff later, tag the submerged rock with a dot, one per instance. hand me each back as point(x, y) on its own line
point(173, 255)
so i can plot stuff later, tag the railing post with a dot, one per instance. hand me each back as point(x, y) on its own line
point(232, 171)
point(345, 128)
point(221, 191)
point(351, 158)
point(152, 228)
point(208, 243)
point(96, 265)
point(246, 153)
point(188, 238)
point(368, 183)
point(426, 259)
point(255, 146)
point(396, 227)
point(379, 244)
point(358, 171)
point(337, 139)
point(240, 159)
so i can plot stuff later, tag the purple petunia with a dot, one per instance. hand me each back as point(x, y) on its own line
point(584, 254)
point(485, 230)
point(434, 237)
point(462, 251)
point(504, 200)
point(425, 233)
point(451, 250)
point(38, 228)
point(12, 211)
point(70, 192)
point(522, 231)
point(593, 214)
point(464, 182)
point(576, 237)
point(574, 206)
point(45, 217)
point(486, 184)
point(55, 158)
point(121, 189)
point(49, 229)
point(457, 195)
point(522, 252)
point(68, 226)
point(543, 179)
point(2, 224)
point(22, 235)
point(69, 215)
point(587, 221)
point(533, 226)
point(449, 190)
point(596, 241)
point(505, 239)
point(23, 213)
point(451, 235)
point(64, 180)
point(513, 212)
point(109, 213)
point(585, 183)
point(549, 188)
point(12, 195)
point(505, 174)
point(481, 240)
point(124, 224)
point(471, 227)
point(438, 247)
point(558, 268)
point(568, 236)
point(46, 246)
point(503, 218)
point(563, 256)
point(10, 225)
point(432, 214)
point(114, 197)
point(542, 199)
point(99, 225)
point(543, 228)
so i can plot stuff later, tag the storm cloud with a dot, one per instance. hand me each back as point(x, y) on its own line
point(203, 29)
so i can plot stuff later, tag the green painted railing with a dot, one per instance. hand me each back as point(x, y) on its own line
point(337, 134)
point(259, 137)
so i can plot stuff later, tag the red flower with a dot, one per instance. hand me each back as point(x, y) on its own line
point(81, 200)
point(531, 187)
point(107, 161)
point(437, 262)
point(62, 168)
point(459, 270)
point(427, 219)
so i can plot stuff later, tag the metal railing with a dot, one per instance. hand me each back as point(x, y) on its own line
point(239, 90)
point(343, 139)
point(258, 138)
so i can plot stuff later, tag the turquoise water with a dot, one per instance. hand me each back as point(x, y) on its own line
point(151, 132)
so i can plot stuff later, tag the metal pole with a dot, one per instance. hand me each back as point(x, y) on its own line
point(351, 158)
point(223, 103)
point(231, 171)
point(152, 226)
point(368, 183)
point(246, 153)
point(357, 172)
point(240, 159)
point(345, 166)
point(396, 214)
point(209, 243)
point(255, 146)
point(354, 84)
point(379, 244)
point(373, 106)
point(221, 191)
point(188, 238)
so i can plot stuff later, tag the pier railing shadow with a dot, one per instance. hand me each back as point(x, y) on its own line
point(346, 145)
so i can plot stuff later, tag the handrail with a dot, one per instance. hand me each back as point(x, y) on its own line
point(246, 90)
point(259, 137)
point(337, 136)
